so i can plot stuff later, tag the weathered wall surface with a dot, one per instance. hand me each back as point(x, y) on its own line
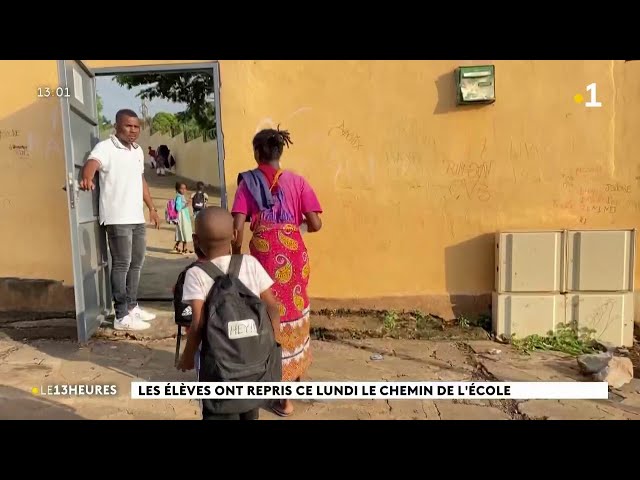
point(414, 187)
point(35, 241)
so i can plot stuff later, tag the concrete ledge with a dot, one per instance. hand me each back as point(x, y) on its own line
point(36, 295)
point(443, 305)
point(53, 328)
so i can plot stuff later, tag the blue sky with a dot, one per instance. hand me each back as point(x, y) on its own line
point(116, 97)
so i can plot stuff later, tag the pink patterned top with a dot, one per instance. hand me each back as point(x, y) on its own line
point(293, 199)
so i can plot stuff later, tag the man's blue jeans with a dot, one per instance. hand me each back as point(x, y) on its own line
point(127, 244)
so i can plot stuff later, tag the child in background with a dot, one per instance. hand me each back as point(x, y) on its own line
point(184, 229)
point(152, 158)
point(199, 199)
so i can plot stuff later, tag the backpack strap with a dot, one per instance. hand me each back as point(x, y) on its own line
point(235, 264)
point(210, 269)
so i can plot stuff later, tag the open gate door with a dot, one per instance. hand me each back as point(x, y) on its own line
point(88, 238)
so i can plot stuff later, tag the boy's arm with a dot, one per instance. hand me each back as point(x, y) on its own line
point(271, 303)
point(194, 292)
point(238, 231)
point(194, 337)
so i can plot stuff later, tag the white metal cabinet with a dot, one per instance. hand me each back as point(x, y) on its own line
point(524, 314)
point(600, 260)
point(530, 261)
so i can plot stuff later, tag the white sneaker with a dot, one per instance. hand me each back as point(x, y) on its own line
point(142, 314)
point(130, 322)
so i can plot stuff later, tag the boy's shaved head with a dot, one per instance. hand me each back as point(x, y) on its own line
point(214, 229)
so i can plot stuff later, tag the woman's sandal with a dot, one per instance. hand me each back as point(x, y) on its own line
point(275, 408)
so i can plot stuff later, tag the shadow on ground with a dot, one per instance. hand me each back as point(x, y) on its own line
point(159, 276)
point(17, 405)
point(162, 267)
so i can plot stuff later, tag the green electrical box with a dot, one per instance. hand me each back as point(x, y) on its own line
point(475, 85)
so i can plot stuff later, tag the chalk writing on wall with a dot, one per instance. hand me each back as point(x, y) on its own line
point(407, 166)
point(351, 137)
point(9, 133)
point(526, 159)
point(21, 151)
point(468, 170)
point(603, 316)
point(586, 197)
point(589, 171)
point(567, 181)
point(617, 187)
point(469, 180)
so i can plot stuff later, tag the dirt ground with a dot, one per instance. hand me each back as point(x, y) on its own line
point(342, 351)
point(162, 267)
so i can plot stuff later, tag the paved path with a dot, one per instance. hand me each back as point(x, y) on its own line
point(162, 267)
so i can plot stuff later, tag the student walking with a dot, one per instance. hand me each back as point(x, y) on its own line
point(184, 228)
point(224, 292)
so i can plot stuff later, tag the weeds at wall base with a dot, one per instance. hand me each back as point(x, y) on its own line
point(413, 325)
point(565, 339)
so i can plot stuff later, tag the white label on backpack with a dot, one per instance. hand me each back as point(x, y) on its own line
point(242, 329)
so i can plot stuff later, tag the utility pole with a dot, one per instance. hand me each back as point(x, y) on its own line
point(144, 110)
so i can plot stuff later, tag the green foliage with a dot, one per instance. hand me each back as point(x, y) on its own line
point(390, 321)
point(565, 339)
point(164, 122)
point(103, 121)
point(191, 88)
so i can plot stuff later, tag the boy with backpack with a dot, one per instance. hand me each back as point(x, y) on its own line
point(235, 318)
point(199, 199)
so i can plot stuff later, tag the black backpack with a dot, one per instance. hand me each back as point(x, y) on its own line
point(182, 313)
point(198, 201)
point(238, 342)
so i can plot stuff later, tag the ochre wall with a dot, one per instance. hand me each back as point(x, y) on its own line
point(414, 187)
point(35, 242)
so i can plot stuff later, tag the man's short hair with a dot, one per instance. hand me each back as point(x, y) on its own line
point(125, 112)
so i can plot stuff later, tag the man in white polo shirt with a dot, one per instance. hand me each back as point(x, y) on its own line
point(123, 189)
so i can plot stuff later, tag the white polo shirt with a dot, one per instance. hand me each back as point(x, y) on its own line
point(121, 171)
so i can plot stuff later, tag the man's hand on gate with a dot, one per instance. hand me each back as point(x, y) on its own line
point(155, 218)
point(88, 172)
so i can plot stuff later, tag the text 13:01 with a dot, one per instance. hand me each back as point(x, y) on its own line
point(58, 92)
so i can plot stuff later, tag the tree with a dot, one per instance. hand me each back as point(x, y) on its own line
point(103, 122)
point(191, 88)
point(164, 122)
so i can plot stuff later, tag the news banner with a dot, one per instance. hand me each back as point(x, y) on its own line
point(371, 390)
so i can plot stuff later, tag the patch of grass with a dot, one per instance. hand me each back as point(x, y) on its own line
point(463, 322)
point(423, 321)
point(565, 339)
point(390, 320)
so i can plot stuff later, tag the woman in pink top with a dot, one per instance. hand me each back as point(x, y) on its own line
point(277, 203)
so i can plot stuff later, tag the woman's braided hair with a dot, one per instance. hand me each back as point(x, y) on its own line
point(270, 143)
